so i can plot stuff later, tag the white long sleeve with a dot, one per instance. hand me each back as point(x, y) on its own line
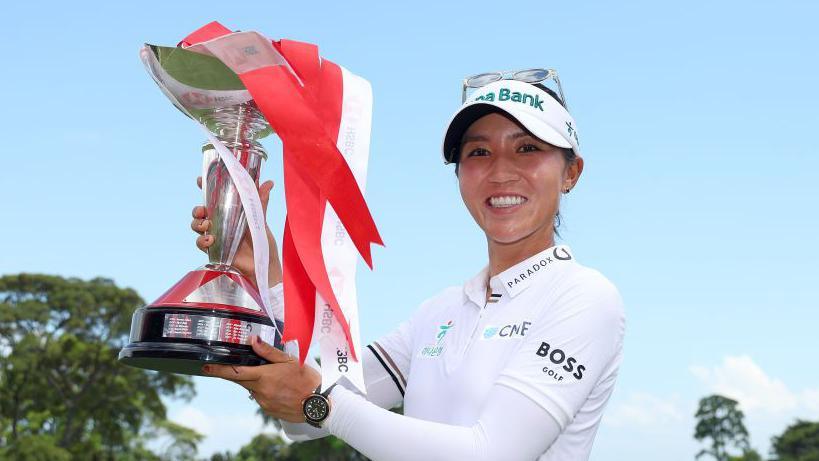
point(511, 427)
point(381, 390)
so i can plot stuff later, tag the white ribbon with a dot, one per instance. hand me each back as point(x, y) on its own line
point(340, 254)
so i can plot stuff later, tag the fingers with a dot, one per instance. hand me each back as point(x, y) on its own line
point(200, 225)
point(199, 212)
point(268, 352)
point(235, 373)
point(264, 194)
point(203, 242)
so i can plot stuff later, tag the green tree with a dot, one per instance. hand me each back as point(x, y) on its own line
point(226, 456)
point(63, 395)
point(264, 447)
point(799, 442)
point(748, 455)
point(720, 420)
point(329, 448)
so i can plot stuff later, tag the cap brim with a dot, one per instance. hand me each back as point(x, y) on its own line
point(470, 113)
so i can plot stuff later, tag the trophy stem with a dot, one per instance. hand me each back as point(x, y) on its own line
point(237, 127)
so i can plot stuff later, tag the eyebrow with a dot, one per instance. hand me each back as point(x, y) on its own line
point(476, 138)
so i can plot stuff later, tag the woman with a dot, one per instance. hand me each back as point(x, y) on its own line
point(519, 362)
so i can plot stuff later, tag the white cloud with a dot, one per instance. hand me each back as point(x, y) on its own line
point(643, 409)
point(193, 418)
point(743, 380)
point(222, 430)
point(810, 398)
point(643, 425)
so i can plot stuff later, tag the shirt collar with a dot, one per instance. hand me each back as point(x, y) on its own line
point(475, 288)
point(539, 267)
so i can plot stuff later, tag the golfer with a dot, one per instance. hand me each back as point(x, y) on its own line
point(517, 363)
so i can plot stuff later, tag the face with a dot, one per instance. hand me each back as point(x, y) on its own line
point(511, 181)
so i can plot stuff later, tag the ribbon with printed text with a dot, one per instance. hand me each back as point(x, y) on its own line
point(322, 113)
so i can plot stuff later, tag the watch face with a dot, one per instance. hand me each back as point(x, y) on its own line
point(316, 408)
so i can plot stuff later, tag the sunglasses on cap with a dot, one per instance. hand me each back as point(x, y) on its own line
point(527, 75)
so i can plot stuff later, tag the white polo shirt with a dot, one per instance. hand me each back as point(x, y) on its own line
point(551, 330)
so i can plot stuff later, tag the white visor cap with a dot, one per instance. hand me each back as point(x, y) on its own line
point(532, 107)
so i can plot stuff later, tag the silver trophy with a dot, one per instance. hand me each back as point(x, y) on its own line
point(211, 313)
point(239, 127)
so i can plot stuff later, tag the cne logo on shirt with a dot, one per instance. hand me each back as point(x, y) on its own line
point(510, 331)
point(437, 348)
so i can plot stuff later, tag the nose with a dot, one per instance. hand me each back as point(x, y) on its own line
point(503, 170)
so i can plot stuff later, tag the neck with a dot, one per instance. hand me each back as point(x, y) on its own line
point(502, 256)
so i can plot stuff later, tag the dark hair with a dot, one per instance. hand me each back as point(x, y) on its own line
point(550, 92)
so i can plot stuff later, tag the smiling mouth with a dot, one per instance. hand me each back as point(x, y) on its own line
point(506, 201)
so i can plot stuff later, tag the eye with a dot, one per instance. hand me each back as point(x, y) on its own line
point(528, 147)
point(477, 152)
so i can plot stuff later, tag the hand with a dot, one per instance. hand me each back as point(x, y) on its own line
point(243, 261)
point(279, 387)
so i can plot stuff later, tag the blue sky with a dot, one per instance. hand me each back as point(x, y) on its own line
point(698, 199)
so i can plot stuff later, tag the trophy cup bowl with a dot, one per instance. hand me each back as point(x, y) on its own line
point(210, 315)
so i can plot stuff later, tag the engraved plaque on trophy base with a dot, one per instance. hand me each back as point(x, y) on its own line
point(208, 317)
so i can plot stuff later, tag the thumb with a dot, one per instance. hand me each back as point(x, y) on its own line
point(268, 352)
point(264, 194)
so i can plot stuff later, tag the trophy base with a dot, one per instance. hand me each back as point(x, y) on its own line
point(208, 317)
point(186, 359)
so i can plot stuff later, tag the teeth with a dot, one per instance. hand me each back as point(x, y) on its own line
point(506, 201)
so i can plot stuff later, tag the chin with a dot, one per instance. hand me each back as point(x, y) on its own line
point(506, 237)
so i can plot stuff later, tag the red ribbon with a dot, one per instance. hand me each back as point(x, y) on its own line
point(307, 117)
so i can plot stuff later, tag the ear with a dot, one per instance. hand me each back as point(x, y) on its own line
point(573, 172)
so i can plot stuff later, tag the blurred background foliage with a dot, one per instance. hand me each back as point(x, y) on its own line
point(64, 396)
